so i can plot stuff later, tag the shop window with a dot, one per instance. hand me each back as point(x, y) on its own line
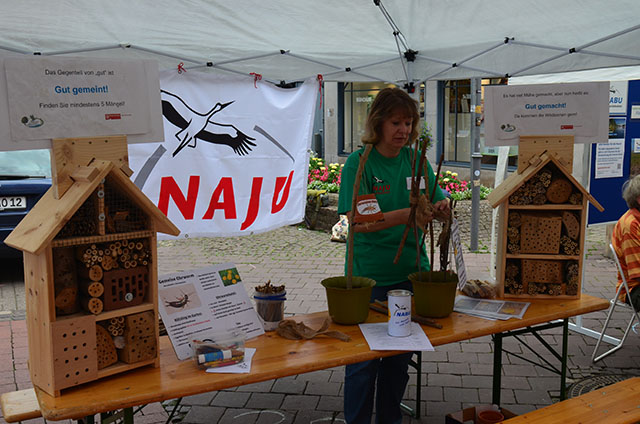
point(457, 125)
point(355, 100)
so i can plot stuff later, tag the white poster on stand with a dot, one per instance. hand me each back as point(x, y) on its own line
point(577, 109)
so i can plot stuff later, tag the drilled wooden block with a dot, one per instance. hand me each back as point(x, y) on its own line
point(571, 224)
point(106, 349)
point(541, 271)
point(140, 350)
point(559, 191)
point(75, 360)
point(540, 233)
point(140, 325)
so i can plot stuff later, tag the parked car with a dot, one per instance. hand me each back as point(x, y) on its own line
point(25, 175)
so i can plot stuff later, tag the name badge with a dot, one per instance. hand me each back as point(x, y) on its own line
point(422, 183)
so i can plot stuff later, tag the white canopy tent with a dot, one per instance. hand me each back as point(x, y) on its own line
point(359, 40)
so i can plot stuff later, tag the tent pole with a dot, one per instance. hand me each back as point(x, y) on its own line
point(476, 156)
point(159, 53)
point(91, 49)
point(11, 49)
point(609, 37)
point(313, 61)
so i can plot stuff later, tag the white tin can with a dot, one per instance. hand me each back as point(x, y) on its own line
point(399, 306)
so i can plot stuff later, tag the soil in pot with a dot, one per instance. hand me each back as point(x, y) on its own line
point(435, 298)
point(348, 306)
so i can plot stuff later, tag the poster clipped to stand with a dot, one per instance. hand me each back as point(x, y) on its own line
point(205, 301)
point(42, 98)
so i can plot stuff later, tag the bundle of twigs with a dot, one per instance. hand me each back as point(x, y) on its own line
point(414, 195)
point(354, 198)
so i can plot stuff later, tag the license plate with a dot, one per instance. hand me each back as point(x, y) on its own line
point(13, 202)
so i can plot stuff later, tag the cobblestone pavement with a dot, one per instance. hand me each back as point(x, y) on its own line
point(454, 376)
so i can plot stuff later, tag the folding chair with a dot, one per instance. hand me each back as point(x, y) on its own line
point(616, 302)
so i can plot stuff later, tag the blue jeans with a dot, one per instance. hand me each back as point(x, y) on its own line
point(391, 376)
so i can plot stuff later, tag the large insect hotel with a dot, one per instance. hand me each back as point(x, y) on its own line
point(542, 221)
point(90, 263)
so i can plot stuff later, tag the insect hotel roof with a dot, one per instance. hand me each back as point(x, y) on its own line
point(50, 215)
point(536, 163)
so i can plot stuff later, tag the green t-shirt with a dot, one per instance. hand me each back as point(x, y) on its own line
point(374, 252)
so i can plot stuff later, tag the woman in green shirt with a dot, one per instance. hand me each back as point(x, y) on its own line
point(391, 127)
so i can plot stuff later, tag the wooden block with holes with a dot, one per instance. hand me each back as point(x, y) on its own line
point(542, 271)
point(139, 338)
point(540, 232)
point(105, 348)
point(75, 359)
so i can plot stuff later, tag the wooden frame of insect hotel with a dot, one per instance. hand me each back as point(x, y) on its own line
point(542, 221)
point(90, 264)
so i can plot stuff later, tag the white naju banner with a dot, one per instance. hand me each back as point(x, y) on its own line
point(235, 156)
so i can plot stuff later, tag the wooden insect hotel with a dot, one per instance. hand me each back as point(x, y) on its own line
point(90, 263)
point(542, 221)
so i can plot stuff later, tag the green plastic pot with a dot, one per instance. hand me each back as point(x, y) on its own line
point(435, 298)
point(348, 306)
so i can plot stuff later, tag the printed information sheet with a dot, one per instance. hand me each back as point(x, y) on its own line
point(378, 338)
point(202, 301)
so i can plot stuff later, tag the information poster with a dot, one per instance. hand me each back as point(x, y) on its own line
point(205, 301)
point(609, 159)
point(50, 97)
point(634, 168)
point(578, 109)
point(610, 156)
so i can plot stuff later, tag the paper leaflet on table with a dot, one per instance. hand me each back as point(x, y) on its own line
point(379, 339)
point(499, 309)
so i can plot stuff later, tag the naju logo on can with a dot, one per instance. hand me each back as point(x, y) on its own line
point(399, 306)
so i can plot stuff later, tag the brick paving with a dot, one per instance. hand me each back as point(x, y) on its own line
point(454, 376)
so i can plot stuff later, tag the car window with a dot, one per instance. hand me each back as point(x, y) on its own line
point(25, 163)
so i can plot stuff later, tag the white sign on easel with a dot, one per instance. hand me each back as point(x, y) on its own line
point(203, 301)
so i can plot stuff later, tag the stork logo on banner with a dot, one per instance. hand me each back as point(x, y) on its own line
point(199, 126)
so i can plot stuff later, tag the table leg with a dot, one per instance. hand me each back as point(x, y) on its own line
point(497, 367)
point(563, 366)
point(417, 364)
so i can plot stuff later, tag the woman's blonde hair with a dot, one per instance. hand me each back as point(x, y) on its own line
point(388, 102)
point(631, 191)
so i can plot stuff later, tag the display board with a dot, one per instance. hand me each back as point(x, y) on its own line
point(606, 179)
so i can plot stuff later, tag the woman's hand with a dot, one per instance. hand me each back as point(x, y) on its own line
point(442, 210)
